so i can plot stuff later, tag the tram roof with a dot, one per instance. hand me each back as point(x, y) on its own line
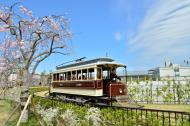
point(93, 61)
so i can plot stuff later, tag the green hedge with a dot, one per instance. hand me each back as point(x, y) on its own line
point(37, 89)
point(115, 117)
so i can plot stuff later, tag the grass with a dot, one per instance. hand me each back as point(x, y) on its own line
point(38, 89)
point(174, 107)
point(6, 108)
point(32, 121)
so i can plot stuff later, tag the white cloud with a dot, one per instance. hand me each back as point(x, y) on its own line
point(117, 36)
point(164, 32)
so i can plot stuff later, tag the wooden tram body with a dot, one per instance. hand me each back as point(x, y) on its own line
point(87, 80)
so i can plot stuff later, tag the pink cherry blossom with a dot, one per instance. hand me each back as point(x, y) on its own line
point(30, 13)
point(69, 34)
point(10, 22)
point(33, 22)
point(2, 29)
point(21, 44)
point(12, 44)
point(23, 9)
point(1, 48)
point(56, 39)
point(55, 26)
point(30, 26)
point(1, 15)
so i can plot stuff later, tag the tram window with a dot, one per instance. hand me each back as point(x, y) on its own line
point(73, 75)
point(78, 74)
point(99, 73)
point(54, 77)
point(61, 76)
point(105, 74)
point(91, 73)
point(84, 74)
point(69, 75)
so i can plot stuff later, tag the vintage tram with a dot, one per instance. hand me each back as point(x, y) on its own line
point(89, 81)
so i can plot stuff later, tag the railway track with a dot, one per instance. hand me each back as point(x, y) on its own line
point(117, 104)
point(114, 105)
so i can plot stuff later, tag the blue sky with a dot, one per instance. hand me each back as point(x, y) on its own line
point(139, 33)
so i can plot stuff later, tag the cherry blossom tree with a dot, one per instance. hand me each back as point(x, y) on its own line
point(32, 39)
point(8, 67)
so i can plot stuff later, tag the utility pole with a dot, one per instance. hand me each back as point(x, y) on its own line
point(106, 54)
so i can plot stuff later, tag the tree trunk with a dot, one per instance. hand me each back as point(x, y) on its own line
point(174, 92)
point(24, 93)
point(178, 94)
point(151, 92)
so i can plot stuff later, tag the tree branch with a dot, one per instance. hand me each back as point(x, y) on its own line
point(46, 52)
point(33, 48)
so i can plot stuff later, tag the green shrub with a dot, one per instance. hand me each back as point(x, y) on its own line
point(37, 89)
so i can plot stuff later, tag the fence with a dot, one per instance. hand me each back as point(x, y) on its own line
point(160, 91)
point(150, 117)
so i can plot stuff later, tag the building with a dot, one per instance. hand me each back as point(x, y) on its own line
point(170, 71)
point(135, 76)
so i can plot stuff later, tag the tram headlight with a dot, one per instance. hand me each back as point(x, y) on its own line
point(120, 90)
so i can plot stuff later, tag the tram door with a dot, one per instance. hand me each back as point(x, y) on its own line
point(106, 80)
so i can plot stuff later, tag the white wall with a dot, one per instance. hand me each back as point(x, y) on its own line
point(184, 71)
point(164, 72)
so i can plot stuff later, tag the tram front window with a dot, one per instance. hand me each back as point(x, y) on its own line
point(113, 76)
